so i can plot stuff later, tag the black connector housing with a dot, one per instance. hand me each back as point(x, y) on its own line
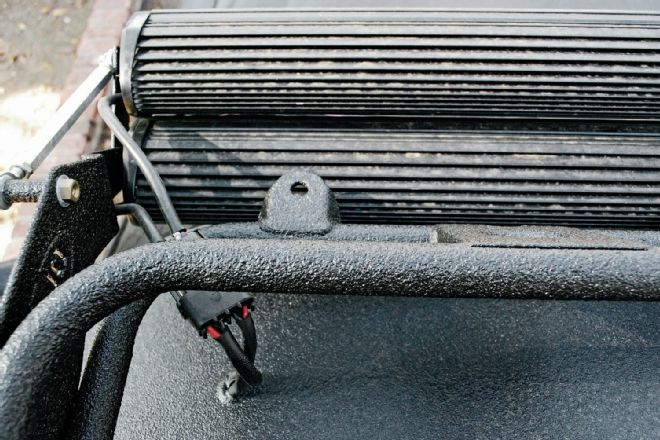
point(202, 308)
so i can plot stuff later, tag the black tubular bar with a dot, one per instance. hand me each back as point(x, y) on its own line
point(102, 384)
point(13, 190)
point(98, 400)
point(297, 266)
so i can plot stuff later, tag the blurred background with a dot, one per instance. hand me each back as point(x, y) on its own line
point(38, 44)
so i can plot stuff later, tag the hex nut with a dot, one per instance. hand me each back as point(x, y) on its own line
point(67, 190)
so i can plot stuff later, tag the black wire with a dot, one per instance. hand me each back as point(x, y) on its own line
point(148, 226)
point(150, 173)
point(143, 218)
point(249, 345)
point(242, 363)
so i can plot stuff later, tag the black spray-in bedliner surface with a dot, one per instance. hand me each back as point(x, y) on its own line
point(340, 367)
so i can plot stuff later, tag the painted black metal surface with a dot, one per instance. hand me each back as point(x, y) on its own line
point(33, 358)
point(61, 241)
point(5, 270)
point(13, 190)
point(110, 353)
point(299, 203)
point(475, 236)
point(102, 385)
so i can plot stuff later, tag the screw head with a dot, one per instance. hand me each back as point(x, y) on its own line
point(67, 190)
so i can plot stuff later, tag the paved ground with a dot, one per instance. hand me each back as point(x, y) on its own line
point(38, 42)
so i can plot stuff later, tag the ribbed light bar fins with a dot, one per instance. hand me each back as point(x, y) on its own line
point(219, 172)
point(479, 64)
